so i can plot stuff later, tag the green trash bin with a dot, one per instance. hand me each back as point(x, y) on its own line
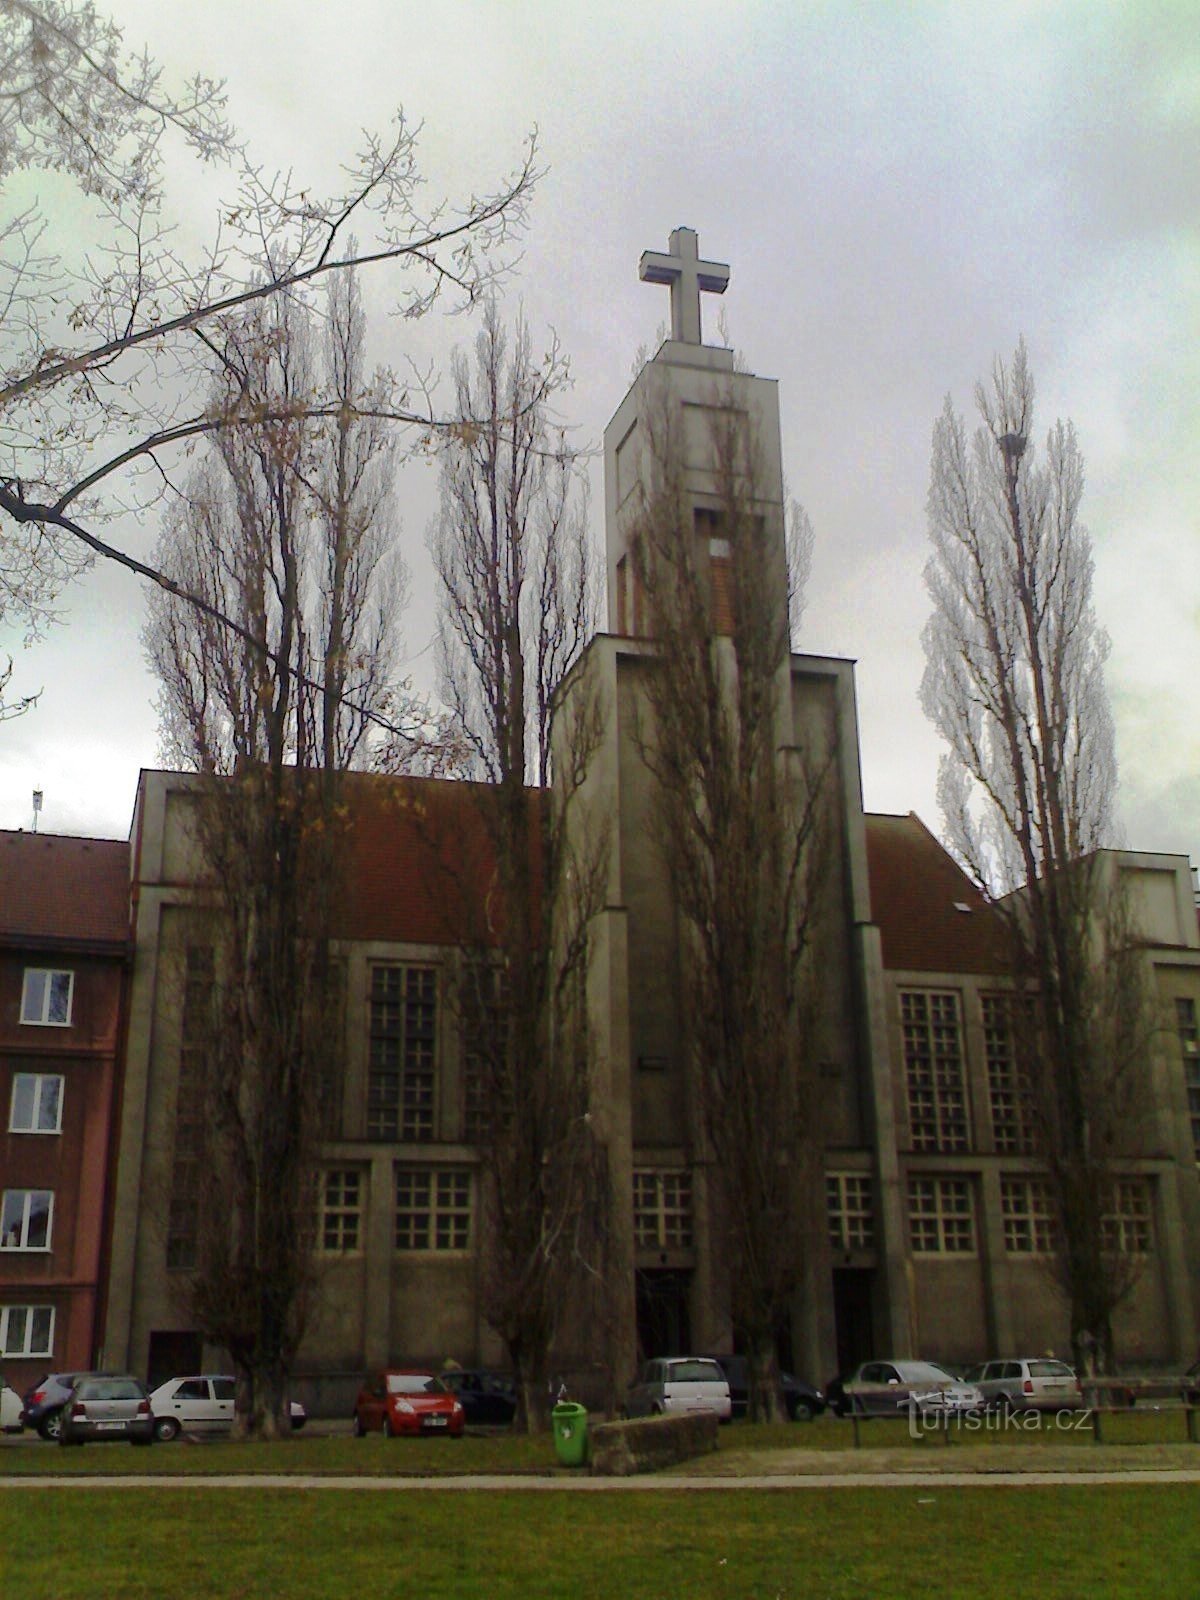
point(570, 1433)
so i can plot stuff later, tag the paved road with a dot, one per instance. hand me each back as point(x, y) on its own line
point(642, 1485)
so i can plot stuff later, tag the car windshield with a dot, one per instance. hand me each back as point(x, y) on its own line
point(694, 1372)
point(923, 1372)
point(1050, 1369)
point(414, 1383)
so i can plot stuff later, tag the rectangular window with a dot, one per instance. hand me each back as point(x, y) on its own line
point(941, 1216)
point(1125, 1228)
point(1008, 1082)
point(46, 997)
point(851, 1216)
point(26, 1331)
point(36, 1103)
point(341, 1210)
point(662, 1209)
point(1189, 1045)
point(401, 1066)
point(433, 1208)
point(485, 1019)
point(933, 1070)
point(25, 1217)
point(1027, 1205)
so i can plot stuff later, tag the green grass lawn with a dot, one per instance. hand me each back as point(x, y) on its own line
point(502, 1452)
point(904, 1543)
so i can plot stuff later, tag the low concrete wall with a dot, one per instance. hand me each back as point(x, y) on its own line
point(620, 1449)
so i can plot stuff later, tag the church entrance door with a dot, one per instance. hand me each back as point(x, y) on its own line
point(663, 1312)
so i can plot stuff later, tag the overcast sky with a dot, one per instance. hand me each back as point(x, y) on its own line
point(901, 191)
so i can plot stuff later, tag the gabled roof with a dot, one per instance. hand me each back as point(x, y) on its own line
point(930, 915)
point(56, 889)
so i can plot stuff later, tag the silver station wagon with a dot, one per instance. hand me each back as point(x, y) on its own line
point(673, 1384)
point(1028, 1383)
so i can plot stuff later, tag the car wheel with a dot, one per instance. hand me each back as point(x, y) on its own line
point(166, 1429)
point(387, 1428)
point(360, 1431)
point(1004, 1406)
point(50, 1427)
point(803, 1412)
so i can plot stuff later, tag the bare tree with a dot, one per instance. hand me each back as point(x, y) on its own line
point(739, 812)
point(1014, 683)
point(511, 553)
point(110, 329)
point(287, 528)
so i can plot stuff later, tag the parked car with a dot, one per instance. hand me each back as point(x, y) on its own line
point(201, 1404)
point(803, 1402)
point(107, 1408)
point(10, 1409)
point(407, 1402)
point(45, 1399)
point(890, 1388)
point(1029, 1383)
point(487, 1397)
point(679, 1383)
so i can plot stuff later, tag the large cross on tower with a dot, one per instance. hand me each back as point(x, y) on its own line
point(687, 276)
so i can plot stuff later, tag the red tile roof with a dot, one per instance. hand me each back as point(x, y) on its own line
point(54, 888)
point(930, 915)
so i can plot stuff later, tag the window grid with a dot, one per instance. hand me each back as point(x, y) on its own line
point(937, 1100)
point(1125, 1229)
point(401, 1071)
point(341, 1210)
point(662, 1209)
point(46, 997)
point(851, 1213)
point(1008, 1083)
point(25, 1219)
point(1027, 1206)
point(1189, 1044)
point(941, 1216)
point(433, 1208)
point(26, 1331)
point(36, 1103)
point(485, 1021)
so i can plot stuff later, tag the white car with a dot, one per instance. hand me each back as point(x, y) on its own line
point(679, 1383)
point(201, 1405)
point(10, 1409)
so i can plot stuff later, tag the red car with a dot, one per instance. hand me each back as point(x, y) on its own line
point(400, 1402)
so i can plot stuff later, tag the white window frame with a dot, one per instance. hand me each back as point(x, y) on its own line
point(341, 1211)
point(28, 1347)
point(662, 1208)
point(30, 1195)
point(439, 1220)
point(937, 1209)
point(1027, 1207)
point(39, 1081)
point(850, 1205)
point(43, 1020)
point(1127, 1226)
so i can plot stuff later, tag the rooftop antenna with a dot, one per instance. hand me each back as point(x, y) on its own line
point(37, 806)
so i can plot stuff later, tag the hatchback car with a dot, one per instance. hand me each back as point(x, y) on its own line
point(107, 1408)
point(800, 1399)
point(673, 1384)
point(201, 1405)
point(892, 1388)
point(487, 1397)
point(45, 1400)
point(1030, 1383)
point(407, 1402)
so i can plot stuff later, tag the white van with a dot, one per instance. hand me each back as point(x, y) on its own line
point(672, 1384)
